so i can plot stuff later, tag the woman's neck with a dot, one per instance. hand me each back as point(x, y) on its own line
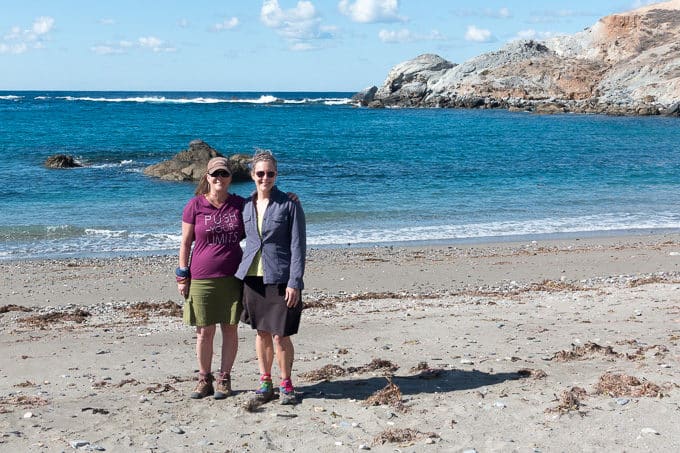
point(220, 197)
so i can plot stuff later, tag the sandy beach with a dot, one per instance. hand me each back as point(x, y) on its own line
point(535, 346)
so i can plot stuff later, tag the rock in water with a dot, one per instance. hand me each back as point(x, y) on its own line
point(61, 161)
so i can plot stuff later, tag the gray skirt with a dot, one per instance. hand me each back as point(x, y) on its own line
point(264, 308)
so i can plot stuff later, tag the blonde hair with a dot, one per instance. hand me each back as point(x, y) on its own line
point(263, 155)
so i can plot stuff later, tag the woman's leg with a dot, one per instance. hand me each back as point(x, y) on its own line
point(204, 352)
point(229, 346)
point(285, 353)
point(204, 348)
point(264, 348)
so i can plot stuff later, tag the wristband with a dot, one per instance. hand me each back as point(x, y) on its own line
point(182, 280)
point(182, 272)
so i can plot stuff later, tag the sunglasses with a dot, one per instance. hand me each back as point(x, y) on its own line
point(220, 174)
point(260, 174)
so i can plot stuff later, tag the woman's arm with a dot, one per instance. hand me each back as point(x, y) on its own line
point(184, 252)
point(298, 247)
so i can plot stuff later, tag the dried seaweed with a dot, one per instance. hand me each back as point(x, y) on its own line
point(425, 372)
point(553, 286)
point(325, 373)
point(143, 309)
point(402, 435)
point(13, 307)
point(646, 281)
point(529, 372)
point(588, 349)
point(78, 316)
point(21, 401)
point(570, 401)
point(160, 388)
point(390, 395)
point(617, 385)
point(376, 365)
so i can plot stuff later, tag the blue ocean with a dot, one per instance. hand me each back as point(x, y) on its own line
point(365, 176)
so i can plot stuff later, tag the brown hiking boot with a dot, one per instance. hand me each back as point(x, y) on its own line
point(204, 387)
point(223, 386)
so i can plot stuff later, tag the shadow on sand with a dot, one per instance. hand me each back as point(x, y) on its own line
point(446, 381)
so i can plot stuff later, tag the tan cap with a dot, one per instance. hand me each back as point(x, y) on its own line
point(218, 163)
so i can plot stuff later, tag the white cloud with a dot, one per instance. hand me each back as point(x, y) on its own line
point(299, 26)
point(478, 34)
point(43, 25)
point(123, 47)
point(107, 50)
point(640, 3)
point(226, 24)
point(107, 21)
point(405, 35)
point(501, 13)
point(18, 40)
point(155, 44)
point(371, 11)
point(183, 23)
point(533, 34)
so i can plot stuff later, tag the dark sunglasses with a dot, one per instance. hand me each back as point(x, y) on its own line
point(260, 174)
point(220, 174)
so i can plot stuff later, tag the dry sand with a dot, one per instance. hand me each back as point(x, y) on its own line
point(569, 345)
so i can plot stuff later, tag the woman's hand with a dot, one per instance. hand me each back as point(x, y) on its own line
point(183, 289)
point(292, 297)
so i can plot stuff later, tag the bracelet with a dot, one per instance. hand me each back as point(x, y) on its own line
point(182, 272)
point(182, 280)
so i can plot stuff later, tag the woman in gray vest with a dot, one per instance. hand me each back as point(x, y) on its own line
point(272, 269)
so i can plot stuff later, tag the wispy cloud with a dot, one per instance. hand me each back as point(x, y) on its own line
point(107, 21)
point(226, 24)
point(405, 35)
point(301, 26)
point(478, 34)
point(19, 40)
point(151, 43)
point(557, 15)
point(371, 11)
point(501, 13)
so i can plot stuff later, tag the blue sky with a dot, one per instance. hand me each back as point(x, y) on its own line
point(252, 45)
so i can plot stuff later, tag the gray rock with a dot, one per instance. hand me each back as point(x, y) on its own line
point(587, 72)
point(61, 161)
point(79, 443)
point(190, 164)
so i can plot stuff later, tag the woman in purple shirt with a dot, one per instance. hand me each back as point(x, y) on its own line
point(212, 221)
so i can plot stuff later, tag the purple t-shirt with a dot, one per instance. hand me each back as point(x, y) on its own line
point(217, 234)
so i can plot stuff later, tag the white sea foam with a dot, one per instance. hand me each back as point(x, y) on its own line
point(10, 97)
point(585, 224)
point(262, 99)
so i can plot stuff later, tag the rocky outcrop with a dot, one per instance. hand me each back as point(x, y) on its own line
point(190, 164)
point(61, 161)
point(624, 64)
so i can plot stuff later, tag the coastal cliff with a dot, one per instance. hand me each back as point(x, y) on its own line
point(625, 64)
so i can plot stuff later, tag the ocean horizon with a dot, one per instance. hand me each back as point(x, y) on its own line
point(366, 177)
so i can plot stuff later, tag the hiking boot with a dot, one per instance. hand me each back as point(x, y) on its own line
point(266, 391)
point(204, 387)
point(287, 392)
point(223, 386)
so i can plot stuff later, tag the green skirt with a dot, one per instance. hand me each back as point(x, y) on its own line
point(213, 301)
